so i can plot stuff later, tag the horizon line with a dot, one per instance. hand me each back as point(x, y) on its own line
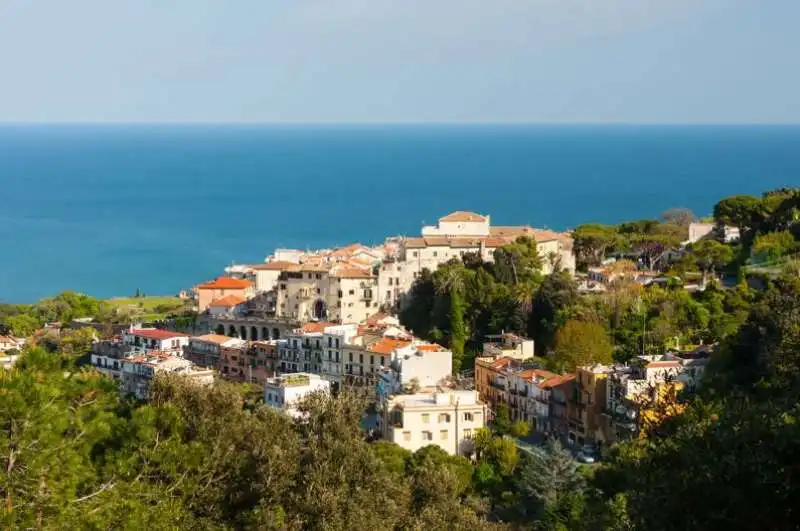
point(499, 123)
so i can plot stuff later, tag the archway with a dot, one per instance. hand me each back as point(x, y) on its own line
point(253, 333)
point(276, 334)
point(320, 309)
point(243, 332)
point(232, 331)
point(220, 330)
point(264, 333)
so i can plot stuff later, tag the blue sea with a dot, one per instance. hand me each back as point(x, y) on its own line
point(109, 209)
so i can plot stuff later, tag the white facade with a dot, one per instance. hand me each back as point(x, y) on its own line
point(284, 392)
point(427, 364)
point(144, 340)
point(10, 343)
point(138, 372)
point(446, 419)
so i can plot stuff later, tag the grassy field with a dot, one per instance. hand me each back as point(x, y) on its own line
point(147, 308)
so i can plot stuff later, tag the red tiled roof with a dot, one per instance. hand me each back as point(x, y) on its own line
point(555, 381)
point(429, 348)
point(502, 363)
point(212, 338)
point(155, 333)
point(226, 283)
point(227, 302)
point(460, 215)
point(351, 272)
point(317, 327)
point(387, 345)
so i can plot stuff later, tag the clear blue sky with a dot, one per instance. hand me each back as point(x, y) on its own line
point(642, 61)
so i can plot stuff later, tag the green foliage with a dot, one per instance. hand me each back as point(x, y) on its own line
point(593, 242)
point(580, 343)
point(772, 246)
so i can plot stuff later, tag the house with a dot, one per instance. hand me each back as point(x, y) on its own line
point(230, 304)
point(447, 419)
point(508, 345)
point(286, 391)
point(560, 408)
point(10, 343)
point(699, 230)
point(266, 275)
point(222, 287)
point(207, 350)
point(426, 364)
point(144, 340)
point(139, 370)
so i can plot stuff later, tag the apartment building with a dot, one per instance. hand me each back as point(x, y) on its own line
point(144, 340)
point(139, 370)
point(508, 345)
point(286, 391)
point(587, 422)
point(447, 419)
point(207, 350)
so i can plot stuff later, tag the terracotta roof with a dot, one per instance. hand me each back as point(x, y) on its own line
point(226, 283)
point(316, 327)
point(155, 333)
point(514, 231)
point(460, 215)
point(657, 364)
point(387, 345)
point(351, 272)
point(212, 338)
point(273, 266)
point(373, 319)
point(555, 381)
point(227, 302)
point(430, 348)
point(502, 363)
point(347, 250)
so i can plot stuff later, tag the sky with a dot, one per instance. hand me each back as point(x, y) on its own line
point(352, 61)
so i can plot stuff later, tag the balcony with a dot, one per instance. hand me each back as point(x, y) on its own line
point(498, 385)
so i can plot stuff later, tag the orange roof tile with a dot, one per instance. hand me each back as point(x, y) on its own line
point(429, 348)
point(227, 302)
point(557, 380)
point(212, 338)
point(351, 272)
point(226, 283)
point(502, 363)
point(387, 345)
point(316, 327)
point(460, 215)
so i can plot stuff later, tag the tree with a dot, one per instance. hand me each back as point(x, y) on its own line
point(742, 211)
point(557, 293)
point(773, 245)
point(547, 483)
point(710, 255)
point(451, 282)
point(77, 343)
point(592, 242)
point(518, 262)
point(682, 217)
point(22, 325)
point(579, 343)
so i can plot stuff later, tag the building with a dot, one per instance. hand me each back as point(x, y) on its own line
point(222, 287)
point(640, 394)
point(286, 391)
point(207, 350)
point(10, 343)
point(445, 419)
point(699, 230)
point(561, 390)
point(144, 340)
point(455, 235)
point(588, 423)
point(418, 363)
point(139, 370)
point(508, 345)
point(230, 304)
point(265, 276)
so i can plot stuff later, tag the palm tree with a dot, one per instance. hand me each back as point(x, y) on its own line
point(524, 295)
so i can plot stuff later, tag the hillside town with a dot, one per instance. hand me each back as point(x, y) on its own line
point(305, 321)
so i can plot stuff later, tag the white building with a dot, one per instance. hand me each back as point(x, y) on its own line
point(455, 235)
point(138, 372)
point(508, 345)
point(228, 305)
point(425, 363)
point(144, 340)
point(286, 391)
point(10, 343)
point(699, 230)
point(447, 419)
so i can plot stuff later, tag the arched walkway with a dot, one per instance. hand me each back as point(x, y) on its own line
point(253, 333)
point(220, 330)
point(264, 333)
point(243, 332)
point(232, 331)
point(276, 334)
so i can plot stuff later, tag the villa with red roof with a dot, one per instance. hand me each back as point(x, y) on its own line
point(145, 340)
point(209, 292)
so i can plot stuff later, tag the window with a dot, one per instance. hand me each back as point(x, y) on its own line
point(468, 417)
point(361, 358)
point(381, 360)
point(318, 291)
point(340, 294)
point(444, 417)
point(330, 342)
point(337, 343)
point(318, 276)
point(372, 360)
point(406, 436)
point(350, 356)
point(415, 254)
point(467, 432)
point(443, 435)
point(435, 254)
point(427, 436)
point(426, 418)
point(352, 292)
point(388, 294)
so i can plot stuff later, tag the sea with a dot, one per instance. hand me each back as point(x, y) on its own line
point(109, 209)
